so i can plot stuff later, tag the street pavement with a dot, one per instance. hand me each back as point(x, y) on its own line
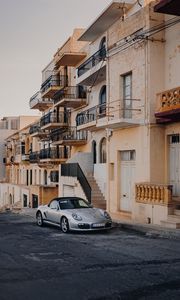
point(43, 263)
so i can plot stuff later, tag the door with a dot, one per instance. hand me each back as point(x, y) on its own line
point(34, 201)
point(53, 213)
point(174, 163)
point(127, 178)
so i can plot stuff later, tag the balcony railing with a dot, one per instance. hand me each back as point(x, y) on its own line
point(71, 92)
point(34, 157)
point(53, 153)
point(37, 102)
point(113, 113)
point(36, 130)
point(71, 134)
point(54, 81)
point(92, 61)
point(91, 114)
point(74, 170)
point(168, 105)
point(53, 117)
point(149, 193)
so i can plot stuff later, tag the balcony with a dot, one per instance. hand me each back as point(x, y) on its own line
point(34, 157)
point(54, 120)
point(71, 96)
point(171, 7)
point(93, 69)
point(36, 131)
point(70, 136)
point(149, 193)
point(53, 154)
point(113, 115)
point(68, 58)
point(37, 102)
point(53, 84)
point(168, 106)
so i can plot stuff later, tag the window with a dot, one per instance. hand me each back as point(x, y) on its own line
point(54, 204)
point(127, 96)
point(103, 157)
point(102, 101)
point(128, 155)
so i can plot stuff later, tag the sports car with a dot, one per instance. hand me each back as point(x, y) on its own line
point(73, 213)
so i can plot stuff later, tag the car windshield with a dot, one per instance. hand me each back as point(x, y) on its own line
point(73, 204)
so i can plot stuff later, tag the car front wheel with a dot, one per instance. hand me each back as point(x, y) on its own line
point(64, 225)
point(39, 219)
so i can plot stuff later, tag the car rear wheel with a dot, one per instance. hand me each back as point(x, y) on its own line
point(64, 225)
point(39, 219)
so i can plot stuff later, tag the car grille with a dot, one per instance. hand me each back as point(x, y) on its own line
point(84, 226)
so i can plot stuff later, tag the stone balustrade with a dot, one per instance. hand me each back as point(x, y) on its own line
point(149, 193)
point(169, 99)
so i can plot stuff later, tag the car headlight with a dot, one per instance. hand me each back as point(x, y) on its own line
point(106, 215)
point(76, 217)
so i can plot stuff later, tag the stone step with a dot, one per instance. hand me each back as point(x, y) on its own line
point(177, 212)
point(170, 224)
point(174, 218)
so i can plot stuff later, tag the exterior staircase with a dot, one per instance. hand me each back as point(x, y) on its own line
point(173, 220)
point(97, 198)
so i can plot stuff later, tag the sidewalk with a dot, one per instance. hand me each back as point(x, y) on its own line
point(126, 223)
point(149, 230)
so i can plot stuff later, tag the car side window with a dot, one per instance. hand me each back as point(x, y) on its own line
point(54, 205)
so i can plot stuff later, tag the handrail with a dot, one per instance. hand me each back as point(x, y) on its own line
point(74, 170)
point(92, 61)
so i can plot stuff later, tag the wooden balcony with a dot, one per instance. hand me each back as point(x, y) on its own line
point(70, 137)
point(37, 102)
point(54, 120)
point(53, 84)
point(154, 194)
point(168, 106)
point(71, 96)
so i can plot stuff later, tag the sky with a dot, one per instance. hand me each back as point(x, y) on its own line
point(30, 33)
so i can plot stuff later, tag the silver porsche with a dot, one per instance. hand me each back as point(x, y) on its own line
point(73, 213)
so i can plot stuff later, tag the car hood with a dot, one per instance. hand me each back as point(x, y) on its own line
point(88, 214)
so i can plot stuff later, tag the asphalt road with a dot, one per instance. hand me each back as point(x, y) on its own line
point(43, 263)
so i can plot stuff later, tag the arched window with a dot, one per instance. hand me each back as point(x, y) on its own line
point(103, 156)
point(94, 152)
point(102, 101)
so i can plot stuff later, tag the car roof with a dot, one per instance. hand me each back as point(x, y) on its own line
point(67, 198)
